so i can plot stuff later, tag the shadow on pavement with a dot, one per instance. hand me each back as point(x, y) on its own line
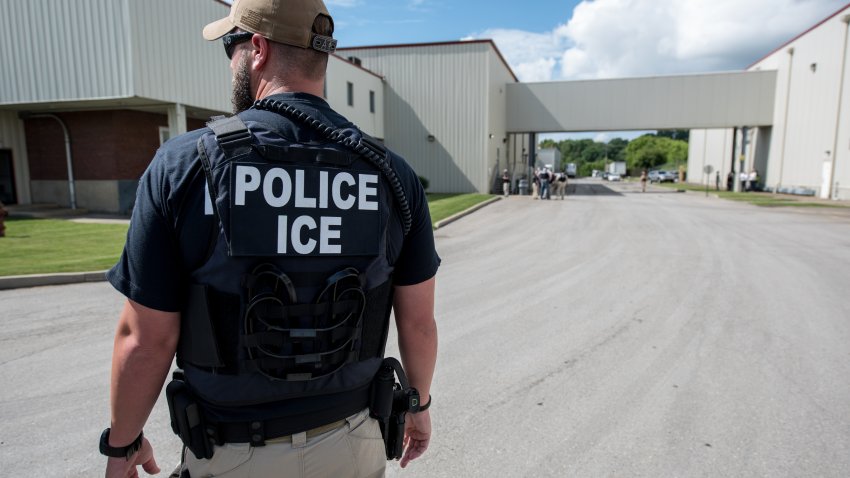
point(591, 190)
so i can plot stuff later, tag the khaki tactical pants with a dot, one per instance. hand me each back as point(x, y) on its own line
point(354, 449)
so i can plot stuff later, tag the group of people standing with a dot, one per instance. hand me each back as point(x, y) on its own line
point(749, 181)
point(544, 184)
point(547, 182)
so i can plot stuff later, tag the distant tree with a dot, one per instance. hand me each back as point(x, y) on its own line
point(678, 134)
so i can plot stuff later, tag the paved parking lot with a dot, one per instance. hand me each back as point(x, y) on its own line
point(610, 334)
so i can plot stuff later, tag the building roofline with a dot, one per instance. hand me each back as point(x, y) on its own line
point(830, 17)
point(342, 58)
point(442, 43)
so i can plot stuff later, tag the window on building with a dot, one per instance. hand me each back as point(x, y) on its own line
point(371, 101)
point(350, 86)
point(164, 134)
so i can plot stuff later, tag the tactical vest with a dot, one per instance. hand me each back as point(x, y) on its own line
point(293, 302)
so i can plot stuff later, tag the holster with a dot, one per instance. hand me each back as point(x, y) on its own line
point(187, 418)
point(390, 403)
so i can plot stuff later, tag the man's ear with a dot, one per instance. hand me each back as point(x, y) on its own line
point(261, 48)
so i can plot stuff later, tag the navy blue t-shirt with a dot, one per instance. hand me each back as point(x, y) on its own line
point(172, 221)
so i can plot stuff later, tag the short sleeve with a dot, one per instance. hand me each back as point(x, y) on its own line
point(148, 271)
point(418, 260)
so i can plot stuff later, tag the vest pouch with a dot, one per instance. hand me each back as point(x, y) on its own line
point(187, 419)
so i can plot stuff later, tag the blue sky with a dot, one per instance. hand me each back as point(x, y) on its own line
point(549, 40)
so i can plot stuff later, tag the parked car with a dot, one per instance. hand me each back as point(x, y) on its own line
point(654, 176)
point(614, 177)
point(667, 176)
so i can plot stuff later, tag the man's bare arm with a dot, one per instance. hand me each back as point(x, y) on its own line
point(145, 343)
point(417, 343)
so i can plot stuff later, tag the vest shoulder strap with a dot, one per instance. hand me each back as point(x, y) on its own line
point(231, 134)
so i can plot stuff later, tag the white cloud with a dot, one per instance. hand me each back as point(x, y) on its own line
point(619, 38)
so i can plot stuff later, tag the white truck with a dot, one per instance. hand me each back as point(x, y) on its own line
point(617, 167)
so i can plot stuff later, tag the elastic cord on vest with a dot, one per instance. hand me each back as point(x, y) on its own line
point(360, 147)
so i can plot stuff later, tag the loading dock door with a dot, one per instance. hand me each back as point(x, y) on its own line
point(7, 178)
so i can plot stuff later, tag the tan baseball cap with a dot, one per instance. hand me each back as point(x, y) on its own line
point(282, 21)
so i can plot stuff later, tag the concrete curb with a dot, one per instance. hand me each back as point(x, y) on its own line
point(465, 212)
point(37, 280)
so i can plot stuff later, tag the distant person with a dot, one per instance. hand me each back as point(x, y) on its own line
point(545, 176)
point(752, 180)
point(717, 180)
point(562, 182)
point(535, 184)
point(506, 183)
point(643, 181)
point(745, 181)
point(730, 181)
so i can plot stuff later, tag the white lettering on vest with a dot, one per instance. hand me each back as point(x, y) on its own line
point(268, 187)
point(337, 193)
point(326, 233)
point(282, 234)
point(323, 189)
point(300, 199)
point(366, 191)
point(247, 179)
point(298, 224)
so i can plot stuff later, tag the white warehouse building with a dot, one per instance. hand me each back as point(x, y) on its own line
point(806, 148)
point(115, 78)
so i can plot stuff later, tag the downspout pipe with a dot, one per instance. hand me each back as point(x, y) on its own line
point(785, 121)
point(71, 189)
point(832, 189)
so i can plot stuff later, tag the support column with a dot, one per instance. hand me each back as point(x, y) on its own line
point(176, 120)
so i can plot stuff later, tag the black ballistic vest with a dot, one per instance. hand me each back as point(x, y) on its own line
point(292, 305)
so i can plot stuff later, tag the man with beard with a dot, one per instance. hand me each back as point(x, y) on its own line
point(267, 251)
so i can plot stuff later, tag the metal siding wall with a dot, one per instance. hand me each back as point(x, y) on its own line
point(63, 50)
point(641, 103)
point(438, 90)
point(497, 151)
point(171, 60)
point(12, 137)
point(340, 72)
point(812, 109)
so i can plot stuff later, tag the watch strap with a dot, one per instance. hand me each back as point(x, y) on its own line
point(121, 451)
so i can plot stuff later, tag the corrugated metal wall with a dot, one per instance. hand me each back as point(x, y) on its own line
point(340, 73)
point(437, 90)
point(64, 50)
point(499, 151)
point(171, 60)
point(807, 90)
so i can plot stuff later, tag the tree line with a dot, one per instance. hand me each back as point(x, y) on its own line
point(666, 149)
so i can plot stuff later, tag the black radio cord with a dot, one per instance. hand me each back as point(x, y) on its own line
point(377, 157)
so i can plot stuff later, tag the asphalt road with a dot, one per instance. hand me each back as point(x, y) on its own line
point(611, 334)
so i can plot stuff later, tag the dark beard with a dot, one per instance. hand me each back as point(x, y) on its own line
point(241, 95)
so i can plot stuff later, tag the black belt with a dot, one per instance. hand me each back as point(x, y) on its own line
point(256, 432)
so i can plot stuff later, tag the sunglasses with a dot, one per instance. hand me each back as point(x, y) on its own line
point(232, 39)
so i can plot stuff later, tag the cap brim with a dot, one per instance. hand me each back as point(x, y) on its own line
point(218, 29)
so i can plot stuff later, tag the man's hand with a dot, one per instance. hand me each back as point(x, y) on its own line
point(417, 435)
point(123, 468)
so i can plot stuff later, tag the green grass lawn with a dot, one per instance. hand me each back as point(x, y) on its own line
point(39, 246)
point(36, 246)
point(758, 199)
point(444, 205)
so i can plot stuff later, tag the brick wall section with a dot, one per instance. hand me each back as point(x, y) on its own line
point(105, 145)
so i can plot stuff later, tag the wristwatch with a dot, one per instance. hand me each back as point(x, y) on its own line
point(118, 452)
point(422, 408)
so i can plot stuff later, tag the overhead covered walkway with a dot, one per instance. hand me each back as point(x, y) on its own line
point(715, 100)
